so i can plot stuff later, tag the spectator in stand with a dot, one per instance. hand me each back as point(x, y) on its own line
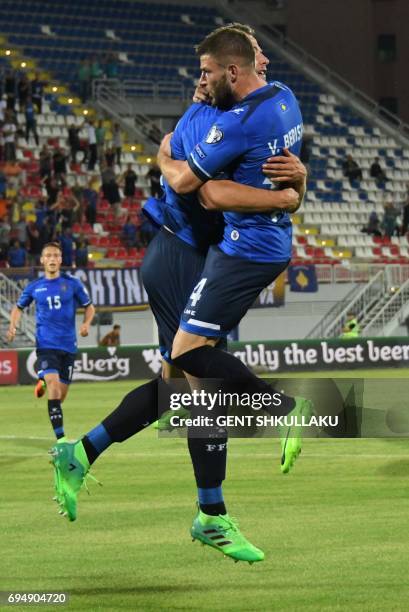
point(4, 234)
point(60, 166)
point(10, 88)
point(3, 107)
point(37, 90)
point(46, 163)
point(40, 212)
point(154, 175)
point(351, 170)
point(128, 180)
point(111, 66)
point(47, 229)
point(110, 157)
point(24, 91)
point(92, 144)
point(117, 142)
point(81, 253)
point(67, 205)
point(84, 77)
point(17, 255)
point(373, 225)
point(100, 133)
point(112, 338)
point(35, 243)
point(3, 184)
point(110, 188)
point(52, 191)
point(31, 124)
point(130, 232)
point(74, 141)
point(90, 199)
point(20, 229)
point(68, 247)
point(405, 216)
point(96, 72)
point(389, 220)
point(147, 230)
point(9, 134)
point(377, 173)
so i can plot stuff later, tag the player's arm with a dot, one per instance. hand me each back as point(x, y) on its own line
point(89, 314)
point(231, 196)
point(287, 169)
point(177, 173)
point(15, 317)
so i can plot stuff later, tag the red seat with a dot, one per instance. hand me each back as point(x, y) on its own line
point(111, 253)
point(121, 252)
point(133, 252)
point(301, 240)
point(377, 251)
point(27, 154)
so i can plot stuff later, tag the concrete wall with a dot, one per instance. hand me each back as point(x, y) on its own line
point(294, 320)
point(344, 36)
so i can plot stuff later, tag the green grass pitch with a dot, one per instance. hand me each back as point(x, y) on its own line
point(335, 530)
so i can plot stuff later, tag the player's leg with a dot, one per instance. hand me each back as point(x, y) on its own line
point(226, 291)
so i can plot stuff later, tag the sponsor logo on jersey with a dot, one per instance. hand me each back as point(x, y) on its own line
point(237, 111)
point(215, 135)
point(235, 235)
point(40, 289)
point(200, 152)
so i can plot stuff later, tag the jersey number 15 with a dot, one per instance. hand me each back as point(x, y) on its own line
point(54, 303)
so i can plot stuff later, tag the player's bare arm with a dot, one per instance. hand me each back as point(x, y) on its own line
point(231, 196)
point(15, 317)
point(177, 173)
point(89, 314)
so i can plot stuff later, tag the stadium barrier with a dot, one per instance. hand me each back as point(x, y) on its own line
point(144, 362)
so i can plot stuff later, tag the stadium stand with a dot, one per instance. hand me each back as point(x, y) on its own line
point(154, 43)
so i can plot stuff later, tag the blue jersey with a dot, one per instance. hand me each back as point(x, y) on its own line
point(239, 141)
point(56, 301)
point(153, 210)
point(183, 214)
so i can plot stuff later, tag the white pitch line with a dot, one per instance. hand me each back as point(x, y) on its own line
point(25, 438)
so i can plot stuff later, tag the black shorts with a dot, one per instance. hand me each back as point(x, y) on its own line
point(170, 270)
point(225, 291)
point(53, 361)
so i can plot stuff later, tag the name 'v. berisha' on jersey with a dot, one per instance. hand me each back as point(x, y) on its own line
point(56, 302)
point(239, 142)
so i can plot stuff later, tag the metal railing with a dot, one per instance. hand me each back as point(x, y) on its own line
point(360, 305)
point(319, 330)
point(389, 313)
point(9, 294)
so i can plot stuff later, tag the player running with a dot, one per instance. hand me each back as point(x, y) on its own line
point(57, 296)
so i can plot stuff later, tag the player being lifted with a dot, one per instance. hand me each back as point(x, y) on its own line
point(57, 296)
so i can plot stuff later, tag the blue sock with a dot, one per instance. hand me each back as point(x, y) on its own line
point(211, 500)
point(95, 442)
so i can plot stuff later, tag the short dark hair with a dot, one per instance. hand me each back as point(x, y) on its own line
point(117, 327)
point(235, 25)
point(227, 42)
point(54, 244)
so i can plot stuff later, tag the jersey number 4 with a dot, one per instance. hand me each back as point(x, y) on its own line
point(197, 292)
point(54, 303)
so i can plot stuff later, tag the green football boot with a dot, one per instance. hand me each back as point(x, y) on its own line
point(223, 534)
point(291, 437)
point(71, 468)
point(164, 424)
point(57, 484)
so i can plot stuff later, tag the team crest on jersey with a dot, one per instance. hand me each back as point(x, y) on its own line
point(215, 135)
point(235, 235)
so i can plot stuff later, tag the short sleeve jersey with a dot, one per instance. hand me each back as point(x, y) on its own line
point(56, 302)
point(238, 142)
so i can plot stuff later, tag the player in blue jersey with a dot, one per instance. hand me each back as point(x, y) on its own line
point(57, 296)
point(262, 121)
point(180, 244)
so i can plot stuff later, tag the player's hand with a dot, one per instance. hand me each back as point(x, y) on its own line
point(285, 168)
point(200, 95)
point(164, 148)
point(84, 330)
point(11, 334)
point(290, 200)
